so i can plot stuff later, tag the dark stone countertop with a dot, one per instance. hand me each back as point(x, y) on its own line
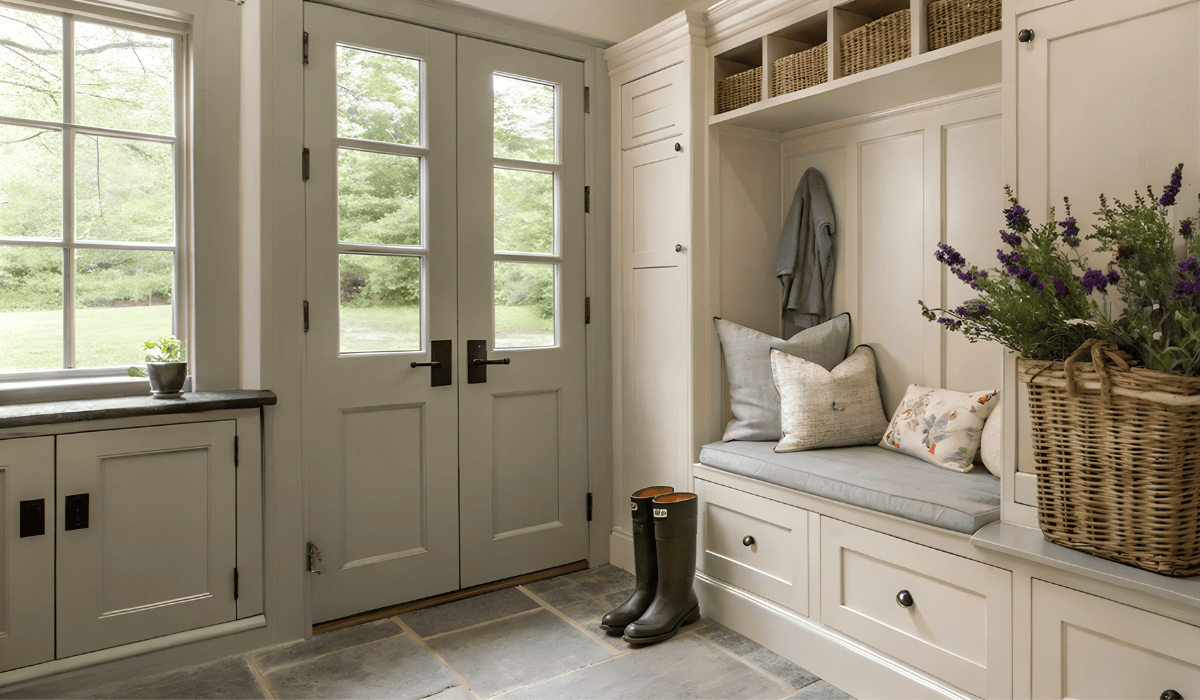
point(27, 414)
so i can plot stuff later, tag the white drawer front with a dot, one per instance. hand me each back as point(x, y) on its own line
point(775, 565)
point(1088, 647)
point(654, 107)
point(958, 625)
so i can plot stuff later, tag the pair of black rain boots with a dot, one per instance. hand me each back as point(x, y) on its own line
point(664, 555)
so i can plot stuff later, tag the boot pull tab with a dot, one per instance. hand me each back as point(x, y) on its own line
point(660, 512)
point(632, 505)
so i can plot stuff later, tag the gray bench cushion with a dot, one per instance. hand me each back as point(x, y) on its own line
point(871, 477)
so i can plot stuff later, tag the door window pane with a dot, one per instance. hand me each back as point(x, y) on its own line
point(31, 187)
point(379, 198)
point(124, 79)
point(524, 211)
point(378, 96)
point(524, 305)
point(124, 190)
point(380, 303)
point(122, 299)
point(31, 308)
point(31, 63)
point(523, 113)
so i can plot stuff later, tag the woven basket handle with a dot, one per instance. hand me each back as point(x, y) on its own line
point(1101, 349)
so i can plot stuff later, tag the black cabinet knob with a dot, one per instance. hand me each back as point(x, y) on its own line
point(1025, 36)
point(1170, 695)
point(748, 541)
point(678, 248)
point(678, 147)
point(904, 599)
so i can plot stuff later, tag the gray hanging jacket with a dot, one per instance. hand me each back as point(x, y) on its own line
point(806, 264)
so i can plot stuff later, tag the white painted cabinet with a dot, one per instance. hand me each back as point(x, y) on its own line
point(26, 552)
point(116, 536)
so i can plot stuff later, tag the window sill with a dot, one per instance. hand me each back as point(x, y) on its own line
point(74, 389)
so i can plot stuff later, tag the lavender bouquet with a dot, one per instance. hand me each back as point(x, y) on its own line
point(1042, 300)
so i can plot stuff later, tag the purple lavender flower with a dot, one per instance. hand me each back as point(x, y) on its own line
point(1094, 280)
point(1017, 217)
point(1011, 239)
point(1023, 274)
point(1172, 190)
point(1113, 277)
point(1070, 232)
point(949, 256)
point(1191, 266)
point(1060, 287)
point(949, 322)
point(981, 309)
point(1009, 259)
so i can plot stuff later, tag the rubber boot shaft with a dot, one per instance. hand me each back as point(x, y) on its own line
point(675, 603)
point(645, 563)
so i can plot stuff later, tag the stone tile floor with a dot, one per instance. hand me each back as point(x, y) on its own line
point(542, 640)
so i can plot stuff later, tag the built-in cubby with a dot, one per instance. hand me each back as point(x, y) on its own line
point(907, 71)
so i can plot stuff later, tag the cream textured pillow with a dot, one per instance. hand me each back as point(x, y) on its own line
point(940, 426)
point(822, 408)
point(991, 445)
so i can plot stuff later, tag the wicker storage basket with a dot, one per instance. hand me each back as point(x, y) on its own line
point(878, 43)
point(800, 70)
point(739, 90)
point(1118, 463)
point(952, 21)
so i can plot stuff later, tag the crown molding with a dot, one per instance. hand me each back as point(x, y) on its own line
point(733, 17)
point(673, 32)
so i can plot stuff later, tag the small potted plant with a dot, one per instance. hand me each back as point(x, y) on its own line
point(165, 367)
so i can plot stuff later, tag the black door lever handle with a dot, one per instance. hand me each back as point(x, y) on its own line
point(478, 362)
point(435, 365)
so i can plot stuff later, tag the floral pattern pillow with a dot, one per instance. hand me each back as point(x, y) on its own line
point(940, 426)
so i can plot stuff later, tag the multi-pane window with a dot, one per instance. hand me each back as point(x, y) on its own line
point(381, 240)
point(91, 163)
point(526, 169)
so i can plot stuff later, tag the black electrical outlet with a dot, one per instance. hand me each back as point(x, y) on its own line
point(75, 517)
point(33, 518)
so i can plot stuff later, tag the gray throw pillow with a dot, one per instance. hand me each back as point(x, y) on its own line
point(752, 393)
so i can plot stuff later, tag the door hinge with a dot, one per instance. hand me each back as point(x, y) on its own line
point(236, 585)
point(587, 199)
point(306, 315)
point(235, 450)
point(304, 164)
point(306, 48)
point(587, 100)
point(314, 556)
point(589, 507)
point(587, 310)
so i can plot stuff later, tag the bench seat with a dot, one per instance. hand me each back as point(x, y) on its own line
point(870, 477)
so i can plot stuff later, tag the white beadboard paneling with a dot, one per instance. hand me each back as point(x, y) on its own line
point(974, 198)
point(891, 219)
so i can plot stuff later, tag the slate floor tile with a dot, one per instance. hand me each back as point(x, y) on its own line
point(603, 579)
point(225, 678)
point(724, 637)
point(786, 671)
point(449, 617)
point(325, 643)
point(682, 667)
point(396, 667)
point(511, 653)
point(820, 691)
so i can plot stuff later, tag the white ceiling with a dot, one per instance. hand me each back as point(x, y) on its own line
point(611, 20)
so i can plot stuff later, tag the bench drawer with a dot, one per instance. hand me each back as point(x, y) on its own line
point(1089, 648)
point(775, 564)
point(655, 107)
point(957, 625)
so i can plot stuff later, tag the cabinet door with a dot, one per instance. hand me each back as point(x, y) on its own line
point(655, 349)
point(26, 552)
point(1088, 647)
point(146, 533)
point(654, 107)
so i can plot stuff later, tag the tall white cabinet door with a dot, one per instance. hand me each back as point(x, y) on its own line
point(523, 467)
point(382, 438)
point(147, 533)
point(1091, 648)
point(26, 552)
point(655, 351)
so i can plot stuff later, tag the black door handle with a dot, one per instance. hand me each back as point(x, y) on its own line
point(441, 364)
point(477, 362)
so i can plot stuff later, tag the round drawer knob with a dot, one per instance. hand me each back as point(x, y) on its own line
point(748, 541)
point(1170, 695)
point(1025, 36)
point(678, 147)
point(678, 248)
point(904, 599)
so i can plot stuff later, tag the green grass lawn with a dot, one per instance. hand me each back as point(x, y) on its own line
point(379, 329)
point(105, 337)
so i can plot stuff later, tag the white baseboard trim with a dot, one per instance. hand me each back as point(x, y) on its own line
point(125, 651)
point(620, 549)
point(855, 668)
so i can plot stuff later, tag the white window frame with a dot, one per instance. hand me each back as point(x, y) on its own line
point(181, 302)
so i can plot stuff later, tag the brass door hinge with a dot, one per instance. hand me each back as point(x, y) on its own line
point(314, 556)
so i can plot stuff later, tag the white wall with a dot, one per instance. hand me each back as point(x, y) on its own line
point(611, 20)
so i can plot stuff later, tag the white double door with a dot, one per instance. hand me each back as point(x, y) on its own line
point(444, 225)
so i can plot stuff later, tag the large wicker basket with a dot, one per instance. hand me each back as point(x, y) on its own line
point(800, 70)
point(952, 21)
point(877, 43)
point(1118, 460)
point(739, 90)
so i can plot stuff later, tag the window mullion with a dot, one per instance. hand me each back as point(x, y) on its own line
point(68, 193)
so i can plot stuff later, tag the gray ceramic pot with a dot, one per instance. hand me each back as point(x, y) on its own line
point(166, 378)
